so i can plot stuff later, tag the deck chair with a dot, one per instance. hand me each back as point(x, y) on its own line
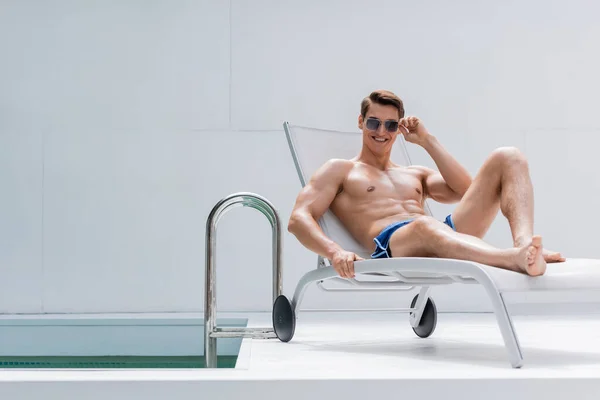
point(310, 148)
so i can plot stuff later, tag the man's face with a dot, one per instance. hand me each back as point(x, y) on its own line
point(379, 127)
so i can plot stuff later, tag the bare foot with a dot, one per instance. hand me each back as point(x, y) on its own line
point(549, 255)
point(530, 257)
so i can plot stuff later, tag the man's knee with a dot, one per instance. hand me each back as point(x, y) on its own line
point(429, 233)
point(509, 156)
point(414, 239)
point(425, 226)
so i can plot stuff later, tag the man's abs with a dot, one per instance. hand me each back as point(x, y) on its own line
point(371, 199)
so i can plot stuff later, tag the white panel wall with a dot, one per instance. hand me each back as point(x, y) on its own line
point(21, 274)
point(123, 122)
point(116, 64)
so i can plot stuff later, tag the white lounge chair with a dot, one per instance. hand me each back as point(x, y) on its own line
point(311, 148)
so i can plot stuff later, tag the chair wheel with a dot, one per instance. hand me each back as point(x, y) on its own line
point(284, 319)
point(428, 320)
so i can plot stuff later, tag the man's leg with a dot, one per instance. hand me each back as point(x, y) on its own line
point(427, 237)
point(503, 183)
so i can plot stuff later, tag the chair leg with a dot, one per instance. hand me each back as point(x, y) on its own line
point(415, 316)
point(511, 341)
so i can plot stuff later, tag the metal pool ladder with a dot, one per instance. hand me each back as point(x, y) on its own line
point(211, 331)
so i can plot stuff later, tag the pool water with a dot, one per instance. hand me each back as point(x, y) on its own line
point(109, 362)
point(111, 342)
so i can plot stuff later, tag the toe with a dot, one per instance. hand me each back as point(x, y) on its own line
point(530, 254)
point(554, 257)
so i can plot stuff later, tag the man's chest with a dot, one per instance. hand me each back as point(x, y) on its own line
point(365, 183)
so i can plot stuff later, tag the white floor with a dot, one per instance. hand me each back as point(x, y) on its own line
point(366, 354)
point(463, 345)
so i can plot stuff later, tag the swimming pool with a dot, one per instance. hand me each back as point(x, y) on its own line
point(109, 362)
point(111, 341)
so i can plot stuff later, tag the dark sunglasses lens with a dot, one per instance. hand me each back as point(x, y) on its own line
point(372, 124)
point(391, 126)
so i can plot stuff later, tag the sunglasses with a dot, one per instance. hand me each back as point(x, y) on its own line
point(373, 124)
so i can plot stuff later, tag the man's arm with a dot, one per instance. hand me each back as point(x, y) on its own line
point(312, 202)
point(450, 184)
point(452, 181)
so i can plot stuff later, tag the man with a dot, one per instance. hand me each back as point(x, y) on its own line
point(382, 204)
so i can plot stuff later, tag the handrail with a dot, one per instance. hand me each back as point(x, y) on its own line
point(211, 332)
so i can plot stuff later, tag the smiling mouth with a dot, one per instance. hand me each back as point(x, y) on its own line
point(380, 140)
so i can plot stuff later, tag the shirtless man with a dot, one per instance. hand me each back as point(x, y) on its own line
point(382, 204)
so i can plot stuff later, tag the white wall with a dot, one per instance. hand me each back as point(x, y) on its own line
point(123, 122)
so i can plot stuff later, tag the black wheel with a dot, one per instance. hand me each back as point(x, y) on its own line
point(428, 319)
point(284, 320)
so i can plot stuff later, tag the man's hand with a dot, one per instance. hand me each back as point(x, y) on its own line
point(414, 131)
point(343, 263)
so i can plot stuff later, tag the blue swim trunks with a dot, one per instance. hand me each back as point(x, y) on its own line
point(382, 240)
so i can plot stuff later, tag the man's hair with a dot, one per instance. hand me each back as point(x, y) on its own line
point(383, 97)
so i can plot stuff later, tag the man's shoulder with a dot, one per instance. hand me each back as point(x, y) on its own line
point(338, 165)
point(420, 169)
point(335, 169)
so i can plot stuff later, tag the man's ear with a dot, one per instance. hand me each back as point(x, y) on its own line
point(360, 121)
